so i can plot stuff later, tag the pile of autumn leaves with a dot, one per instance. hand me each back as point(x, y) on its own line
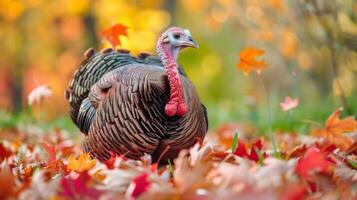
point(317, 166)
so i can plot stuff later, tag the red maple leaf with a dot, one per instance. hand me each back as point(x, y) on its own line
point(113, 33)
point(140, 184)
point(110, 162)
point(51, 149)
point(256, 147)
point(4, 153)
point(79, 187)
point(313, 161)
point(240, 151)
point(52, 161)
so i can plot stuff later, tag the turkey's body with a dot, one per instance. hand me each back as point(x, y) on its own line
point(118, 102)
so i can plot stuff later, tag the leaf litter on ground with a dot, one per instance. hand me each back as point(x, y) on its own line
point(315, 166)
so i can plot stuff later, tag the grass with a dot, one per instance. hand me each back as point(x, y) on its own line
point(23, 119)
point(308, 114)
point(300, 119)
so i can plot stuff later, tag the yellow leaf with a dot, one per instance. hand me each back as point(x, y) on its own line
point(99, 175)
point(83, 163)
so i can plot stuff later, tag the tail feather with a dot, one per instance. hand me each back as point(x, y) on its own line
point(93, 68)
point(86, 115)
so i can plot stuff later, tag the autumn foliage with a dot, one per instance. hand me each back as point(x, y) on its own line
point(301, 49)
point(248, 61)
point(335, 130)
point(112, 34)
point(319, 168)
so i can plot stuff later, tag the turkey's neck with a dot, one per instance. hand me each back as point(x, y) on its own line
point(176, 104)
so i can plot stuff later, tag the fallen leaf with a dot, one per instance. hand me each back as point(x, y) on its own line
point(4, 152)
point(273, 172)
point(118, 179)
point(314, 161)
point(83, 163)
point(253, 153)
point(50, 148)
point(110, 162)
point(289, 104)
point(248, 62)
point(40, 189)
point(113, 34)
point(335, 128)
point(225, 133)
point(192, 166)
point(80, 187)
point(139, 185)
point(7, 182)
point(297, 192)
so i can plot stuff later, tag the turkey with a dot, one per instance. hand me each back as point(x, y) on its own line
point(137, 105)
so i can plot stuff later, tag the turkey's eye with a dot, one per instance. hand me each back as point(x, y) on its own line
point(177, 36)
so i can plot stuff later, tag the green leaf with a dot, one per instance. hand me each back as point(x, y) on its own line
point(352, 163)
point(170, 167)
point(235, 141)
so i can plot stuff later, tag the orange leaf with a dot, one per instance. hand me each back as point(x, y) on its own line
point(248, 62)
point(83, 163)
point(7, 183)
point(335, 128)
point(113, 33)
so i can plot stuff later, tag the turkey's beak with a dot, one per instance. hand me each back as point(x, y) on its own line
point(189, 43)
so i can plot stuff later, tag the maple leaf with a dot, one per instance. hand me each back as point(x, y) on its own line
point(4, 153)
point(313, 161)
point(192, 166)
point(51, 149)
point(139, 185)
point(83, 163)
point(225, 133)
point(113, 34)
point(289, 104)
point(248, 62)
point(78, 187)
point(256, 147)
point(110, 162)
point(114, 160)
point(52, 161)
point(335, 128)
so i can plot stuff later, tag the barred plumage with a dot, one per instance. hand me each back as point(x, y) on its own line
point(118, 102)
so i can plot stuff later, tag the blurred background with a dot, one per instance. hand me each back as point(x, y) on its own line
point(310, 48)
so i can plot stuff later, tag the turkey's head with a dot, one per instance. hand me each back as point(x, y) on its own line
point(178, 38)
point(168, 46)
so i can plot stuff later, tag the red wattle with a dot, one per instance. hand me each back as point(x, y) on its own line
point(171, 109)
point(176, 105)
point(182, 109)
